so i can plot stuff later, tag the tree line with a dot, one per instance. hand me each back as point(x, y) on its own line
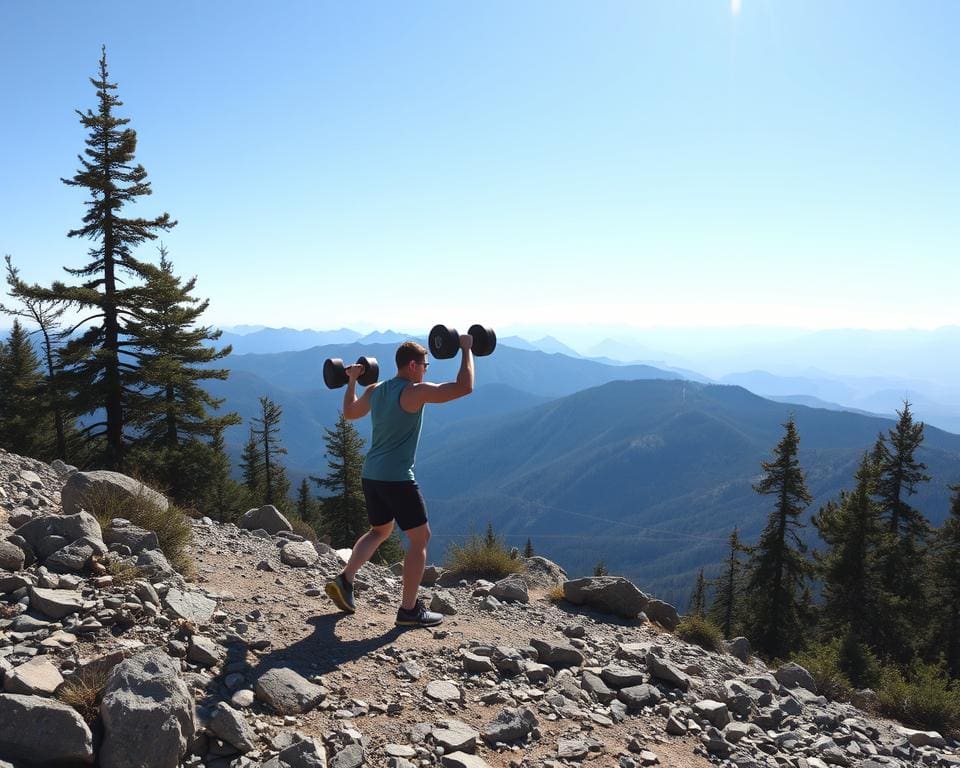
point(116, 378)
point(887, 583)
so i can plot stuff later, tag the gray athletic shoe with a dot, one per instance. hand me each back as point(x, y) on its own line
point(418, 617)
point(341, 592)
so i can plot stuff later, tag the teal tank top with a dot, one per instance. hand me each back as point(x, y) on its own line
point(396, 433)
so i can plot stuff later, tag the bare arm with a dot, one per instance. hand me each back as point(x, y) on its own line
point(416, 396)
point(356, 407)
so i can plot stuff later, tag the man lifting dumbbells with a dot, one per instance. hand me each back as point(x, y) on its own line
point(389, 487)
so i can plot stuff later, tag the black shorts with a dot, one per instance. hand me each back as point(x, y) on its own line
point(398, 500)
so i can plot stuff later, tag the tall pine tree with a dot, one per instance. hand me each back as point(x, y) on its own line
point(170, 408)
point(46, 314)
point(266, 431)
point(851, 529)
point(100, 367)
point(944, 588)
point(725, 610)
point(901, 550)
point(24, 424)
point(778, 570)
point(344, 509)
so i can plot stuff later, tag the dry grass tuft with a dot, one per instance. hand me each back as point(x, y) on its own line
point(481, 558)
point(171, 526)
point(84, 690)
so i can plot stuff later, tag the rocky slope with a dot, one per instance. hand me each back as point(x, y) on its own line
point(251, 665)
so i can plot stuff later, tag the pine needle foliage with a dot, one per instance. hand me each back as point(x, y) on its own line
point(778, 570)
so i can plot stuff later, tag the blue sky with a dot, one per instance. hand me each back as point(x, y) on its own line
point(386, 165)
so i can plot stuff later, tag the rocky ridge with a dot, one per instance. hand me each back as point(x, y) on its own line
point(250, 665)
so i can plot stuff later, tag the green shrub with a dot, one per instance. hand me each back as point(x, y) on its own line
point(700, 631)
point(479, 558)
point(302, 528)
point(923, 698)
point(172, 526)
point(823, 662)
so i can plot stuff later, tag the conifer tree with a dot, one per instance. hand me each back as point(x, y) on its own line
point(24, 427)
point(46, 315)
point(901, 551)
point(344, 510)
point(944, 588)
point(778, 570)
point(307, 507)
point(251, 469)
point(699, 596)
point(225, 499)
point(99, 368)
point(528, 549)
point(851, 529)
point(174, 357)
point(267, 433)
point(725, 611)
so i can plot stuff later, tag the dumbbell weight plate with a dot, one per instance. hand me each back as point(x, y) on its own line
point(444, 342)
point(484, 340)
point(334, 374)
point(371, 371)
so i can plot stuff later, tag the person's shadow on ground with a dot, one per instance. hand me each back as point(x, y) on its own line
point(322, 651)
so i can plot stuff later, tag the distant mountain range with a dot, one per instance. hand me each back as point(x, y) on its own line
point(648, 476)
point(631, 464)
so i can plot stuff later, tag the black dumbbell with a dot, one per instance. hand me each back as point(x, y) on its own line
point(445, 342)
point(335, 373)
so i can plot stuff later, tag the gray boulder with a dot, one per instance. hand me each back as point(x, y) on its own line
point(124, 532)
point(543, 573)
point(74, 557)
point(792, 675)
point(267, 518)
point(299, 554)
point(37, 677)
point(229, 725)
point(510, 725)
point(68, 527)
point(190, 606)
point(610, 594)
point(287, 692)
point(511, 589)
point(667, 672)
point(739, 648)
point(663, 613)
point(148, 713)
point(11, 557)
point(31, 726)
point(557, 654)
point(152, 562)
point(55, 603)
point(84, 488)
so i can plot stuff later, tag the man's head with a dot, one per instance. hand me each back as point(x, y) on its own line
point(412, 361)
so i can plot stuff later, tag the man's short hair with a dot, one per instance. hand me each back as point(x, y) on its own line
point(410, 351)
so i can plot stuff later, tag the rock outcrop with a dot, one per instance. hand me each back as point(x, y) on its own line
point(250, 665)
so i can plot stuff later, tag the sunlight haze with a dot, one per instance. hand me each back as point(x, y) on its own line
point(642, 164)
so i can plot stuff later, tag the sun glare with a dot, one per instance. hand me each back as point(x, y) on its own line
point(735, 6)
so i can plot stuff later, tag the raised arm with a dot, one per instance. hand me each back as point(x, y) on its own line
point(416, 396)
point(356, 407)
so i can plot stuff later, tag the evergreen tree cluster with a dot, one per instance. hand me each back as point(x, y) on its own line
point(121, 386)
point(888, 583)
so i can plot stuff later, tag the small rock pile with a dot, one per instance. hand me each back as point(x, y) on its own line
point(224, 672)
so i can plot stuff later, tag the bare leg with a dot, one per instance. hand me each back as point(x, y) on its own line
point(413, 563)
point(365, 547)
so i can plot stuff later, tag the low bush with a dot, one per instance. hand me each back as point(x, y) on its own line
point(482, 558)
point(172, 526)
point(823, 662)
point(302, 528)
point(922, 697)
point(700, 631)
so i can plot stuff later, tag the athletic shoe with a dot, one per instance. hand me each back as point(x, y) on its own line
point(341, 592)
point(419, 616)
